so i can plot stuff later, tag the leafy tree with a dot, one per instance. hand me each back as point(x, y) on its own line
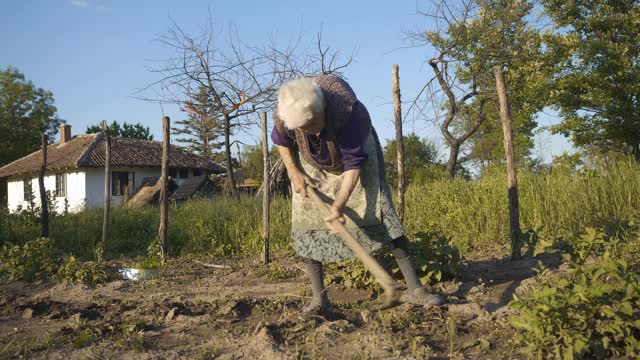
point(486, 146)
point(421, 155)
point(566, 162)
point(252, 161)
point(485, 33)
point(202, 131)
point(504, 36)
point(131, 131)
point(598, 81)
point(25, 113)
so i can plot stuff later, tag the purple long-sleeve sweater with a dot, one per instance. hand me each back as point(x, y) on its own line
point(350, 137)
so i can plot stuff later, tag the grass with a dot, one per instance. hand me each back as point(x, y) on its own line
point(473, 215)
point(556, 205)
point(222, 227)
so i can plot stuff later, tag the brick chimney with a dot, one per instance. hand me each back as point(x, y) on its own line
point(65, 133)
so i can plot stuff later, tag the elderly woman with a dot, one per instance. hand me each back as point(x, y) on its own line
point(326, 140)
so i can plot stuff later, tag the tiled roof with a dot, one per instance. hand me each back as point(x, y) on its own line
point(59, 156)
point(141, 153)
point(189, 188)
point(88, 151)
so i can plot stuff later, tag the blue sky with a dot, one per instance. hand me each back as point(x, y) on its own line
point(94, 54)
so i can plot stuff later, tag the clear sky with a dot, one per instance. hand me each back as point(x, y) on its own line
point(94, 54)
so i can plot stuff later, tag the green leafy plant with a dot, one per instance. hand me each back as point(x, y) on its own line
point(432, 255)
point(592, 312)
point(27, 262)
point(38, 259)
point(352, 274)
point(74, 271)
point(275, 271)
point(84, 339)
point(154, 252)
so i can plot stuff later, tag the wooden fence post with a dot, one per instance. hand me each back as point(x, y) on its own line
point(397, 110)
point(107, 191)
point(266, 193)
point(164, 189)
point(512, 180)
point(44, 206)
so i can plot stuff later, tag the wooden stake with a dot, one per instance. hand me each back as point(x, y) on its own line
point(107, 190)
point(397, 110)
point(44, 206)
point(164, 189)
point(266, 194)
point(512, 180)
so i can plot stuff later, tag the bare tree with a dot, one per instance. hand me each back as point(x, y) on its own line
point(106, 216)
point(164, 188)
point(458, 107)
point(239, 80)
point(458, 75)
point(329, 62)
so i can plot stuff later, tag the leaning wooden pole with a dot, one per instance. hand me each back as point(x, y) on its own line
point(266, 194)
point(397, 111)
point(164, 189)
point(107, 191)
point(512, 179)
point(44, 206)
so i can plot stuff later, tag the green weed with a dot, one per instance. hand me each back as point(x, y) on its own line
point(33, 259)
point(592, 312)
point(558, 205)
point(74, 271)
point(432, 255)
point(39, 259)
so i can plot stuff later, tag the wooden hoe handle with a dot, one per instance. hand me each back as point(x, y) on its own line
point(389, 286)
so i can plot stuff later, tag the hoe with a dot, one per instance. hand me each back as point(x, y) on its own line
point(390, 287)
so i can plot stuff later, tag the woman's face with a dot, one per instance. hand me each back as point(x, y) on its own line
point(314, 126)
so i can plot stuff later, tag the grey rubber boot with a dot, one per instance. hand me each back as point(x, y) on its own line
point(416, 293)
point(320, 301)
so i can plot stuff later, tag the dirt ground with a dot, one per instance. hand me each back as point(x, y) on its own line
point(249, 312)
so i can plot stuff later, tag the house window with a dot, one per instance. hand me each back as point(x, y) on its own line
point(121, 183)
point(61, 185)
point(28, 191)
point(183, 173)
point(197, 172)
point(173, 173)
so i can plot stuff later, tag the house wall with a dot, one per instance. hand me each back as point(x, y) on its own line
point(85, 188)
point(75, 192)
point(95, 184)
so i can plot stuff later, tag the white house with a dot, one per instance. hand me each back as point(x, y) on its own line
point(75, 170)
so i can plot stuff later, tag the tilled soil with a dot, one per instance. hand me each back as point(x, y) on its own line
point(249, 312)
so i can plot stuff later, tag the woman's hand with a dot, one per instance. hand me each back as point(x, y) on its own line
point(349, 180)
point(299, 182)
point(335, 214)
